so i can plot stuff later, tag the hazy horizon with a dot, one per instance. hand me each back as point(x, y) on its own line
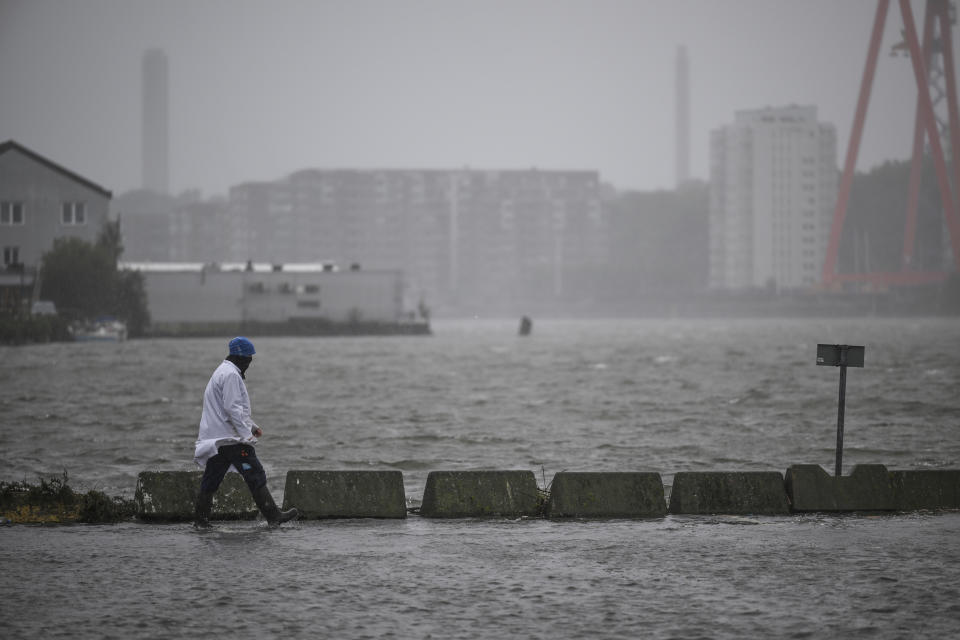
point(259, 90)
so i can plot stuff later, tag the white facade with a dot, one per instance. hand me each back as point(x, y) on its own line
point(773, 190)
point(190, 294)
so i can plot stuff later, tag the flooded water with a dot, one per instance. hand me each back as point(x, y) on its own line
point(619, 395)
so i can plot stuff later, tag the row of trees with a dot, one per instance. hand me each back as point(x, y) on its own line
point(658, 251)
point(83, 280)
point(873, 230)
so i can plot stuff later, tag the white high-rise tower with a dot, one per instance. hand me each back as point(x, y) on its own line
point(773, 175)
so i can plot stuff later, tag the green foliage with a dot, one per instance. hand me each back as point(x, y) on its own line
point(83, 280)
point(55, 493)
point(22, 330)
point(78, 278)
point(131, 302)
point(48, 492)
point(951, 293)
point(873, 229)
point(98, 507)
point(110, 240)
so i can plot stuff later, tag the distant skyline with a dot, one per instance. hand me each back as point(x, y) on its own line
point(261, 89)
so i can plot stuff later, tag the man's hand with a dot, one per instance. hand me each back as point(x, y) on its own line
point(257, 432)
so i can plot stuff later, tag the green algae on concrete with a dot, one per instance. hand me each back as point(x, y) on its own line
point(867, 488)
point(345, 494)
point(729, 493)
point(925, 489)
point(53, 501)
point(624, 494)
point(170, 496)
point(470, 494)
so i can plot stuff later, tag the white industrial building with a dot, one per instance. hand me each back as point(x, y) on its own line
point(774, 180)
point(194, 298)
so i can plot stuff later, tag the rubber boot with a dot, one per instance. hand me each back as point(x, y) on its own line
point(269, 508)
point(201, 512)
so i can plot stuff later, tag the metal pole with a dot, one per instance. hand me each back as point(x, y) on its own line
point(846, 180)
point(916, 164)
point(843, 393)
point(926, 105)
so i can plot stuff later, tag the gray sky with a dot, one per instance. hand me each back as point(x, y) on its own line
point(260, 89)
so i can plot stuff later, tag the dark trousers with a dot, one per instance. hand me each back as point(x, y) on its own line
point(241, 456)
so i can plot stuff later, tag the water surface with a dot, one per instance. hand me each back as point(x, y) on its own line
point(614, 395)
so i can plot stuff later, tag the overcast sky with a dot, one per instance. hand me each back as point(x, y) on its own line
point(261, 89)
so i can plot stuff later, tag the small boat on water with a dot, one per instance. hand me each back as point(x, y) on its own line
point(103, 329)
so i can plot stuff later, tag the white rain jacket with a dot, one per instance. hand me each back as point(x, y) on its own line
point(226, 413)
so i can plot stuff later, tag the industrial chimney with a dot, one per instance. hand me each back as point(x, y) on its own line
point(683, 117)
point(155, 142)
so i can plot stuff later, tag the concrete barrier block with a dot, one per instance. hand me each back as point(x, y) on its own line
point(171, 495)
point(470, 494)
point(867, 488)
point(606, 495)
point(925, 489)
point(729, 492)
point(345, 494)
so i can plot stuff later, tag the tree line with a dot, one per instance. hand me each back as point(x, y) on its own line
point(84, 281)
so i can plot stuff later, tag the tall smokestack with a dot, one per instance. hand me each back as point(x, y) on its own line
point(683, 116)
point(155, 144)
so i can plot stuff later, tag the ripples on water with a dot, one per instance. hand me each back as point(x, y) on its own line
point(665, 396)
point(679, 577)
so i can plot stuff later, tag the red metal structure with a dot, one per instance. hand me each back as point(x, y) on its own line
point(925, 126)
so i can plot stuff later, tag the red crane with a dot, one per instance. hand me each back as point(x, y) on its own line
point(925, 125)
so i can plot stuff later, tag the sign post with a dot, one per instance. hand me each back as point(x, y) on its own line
point(843, 356)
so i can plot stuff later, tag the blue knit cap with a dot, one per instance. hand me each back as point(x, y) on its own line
point(240, 346)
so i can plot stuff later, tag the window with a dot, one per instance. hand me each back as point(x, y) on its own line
point(11, 213)
point(11, 255)
point(73, 213)
point(308, 304)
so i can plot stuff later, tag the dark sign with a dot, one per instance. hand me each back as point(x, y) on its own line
point(835, 355)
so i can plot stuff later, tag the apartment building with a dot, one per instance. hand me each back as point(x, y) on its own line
point(774, 178)
point(470, 238)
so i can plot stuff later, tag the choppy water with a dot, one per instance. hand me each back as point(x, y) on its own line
point(655, 395)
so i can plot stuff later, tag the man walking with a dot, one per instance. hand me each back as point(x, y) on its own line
point(227, 435)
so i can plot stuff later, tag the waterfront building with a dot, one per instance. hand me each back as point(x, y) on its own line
point(773, 176)
point(186, 228)
point(196, 298)
point(468, 238)
point(41, 201)
point(145, 224)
